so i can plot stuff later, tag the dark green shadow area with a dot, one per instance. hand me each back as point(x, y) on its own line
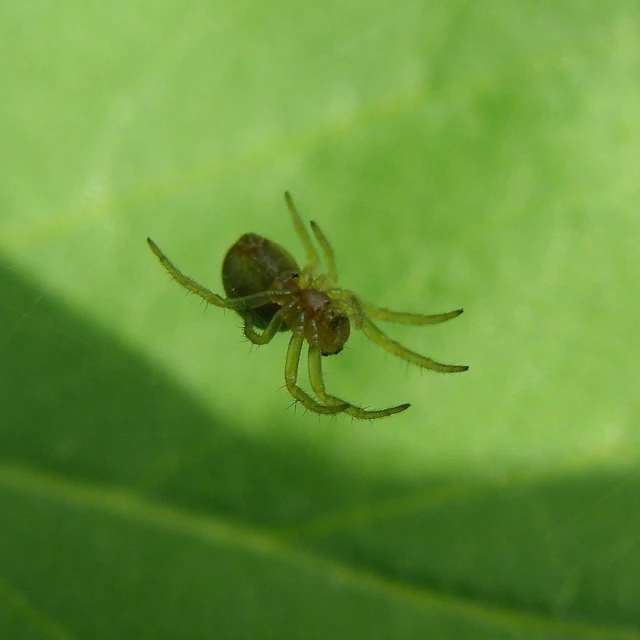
point(128, 511)
point(113, 566)
point(75, 402)
point(566, 549)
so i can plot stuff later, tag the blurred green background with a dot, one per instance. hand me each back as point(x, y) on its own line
point(155, 482)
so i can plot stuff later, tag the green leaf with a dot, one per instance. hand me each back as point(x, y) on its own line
point(153, 483)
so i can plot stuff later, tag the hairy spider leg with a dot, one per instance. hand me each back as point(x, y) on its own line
point(380, 338)
point(245, 302)
point(317, 384)
point(267, 333)
point(291, 378)
point(327, 252)
point(301, 230)
point(399, 317)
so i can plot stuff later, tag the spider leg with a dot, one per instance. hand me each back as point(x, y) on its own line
point(291, 378)
point(246, 302)
point(386, 315)
point(317, 384)
point(380, 338)
point(301, 230)
point(267, 334)
point(183, 280)
point(327, 251)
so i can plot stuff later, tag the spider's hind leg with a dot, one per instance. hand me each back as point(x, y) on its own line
point(268, 332)
point(183, 280)
point(238, 304)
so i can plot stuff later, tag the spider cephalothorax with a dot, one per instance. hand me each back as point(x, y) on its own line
point(265, 285)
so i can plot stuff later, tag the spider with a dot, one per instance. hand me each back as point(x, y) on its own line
point(265, 285)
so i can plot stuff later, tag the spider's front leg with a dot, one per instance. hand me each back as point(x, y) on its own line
point(291, 378)
point(317, 384)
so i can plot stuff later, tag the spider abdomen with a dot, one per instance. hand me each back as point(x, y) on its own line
point(255, 264)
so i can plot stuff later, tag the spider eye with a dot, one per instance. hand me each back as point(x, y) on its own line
point(333, 332)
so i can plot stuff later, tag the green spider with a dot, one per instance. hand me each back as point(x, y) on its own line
point(268, 289)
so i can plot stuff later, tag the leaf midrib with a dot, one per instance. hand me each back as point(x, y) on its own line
point(130, 506)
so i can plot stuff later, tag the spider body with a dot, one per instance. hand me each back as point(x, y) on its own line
point(265, 285)
point(322, 325)
point(255, 264)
